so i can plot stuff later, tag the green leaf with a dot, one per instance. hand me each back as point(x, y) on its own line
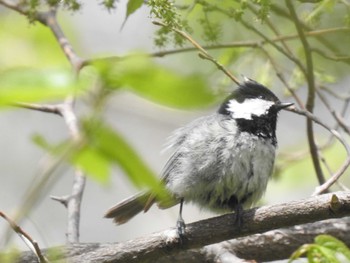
point(10, 255)
point(28, 45)
point(99, 149)
point(93, 163)
point(40, 141)
point(141, 75)
point(333, 244)
point(81, 155)
point(131, 7)
point(300, 252)
point(112, 146)
point(322, 254)
point(325, 249)
point(34, 85)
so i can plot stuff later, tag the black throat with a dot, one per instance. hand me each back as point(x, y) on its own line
point(262, 126)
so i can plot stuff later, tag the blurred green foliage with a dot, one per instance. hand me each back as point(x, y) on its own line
point(296, 165)
point(257, 36)
point(140, 74)
point(110, 147)
point(9, 256)
point(34, 69)
point(37, 85)
point(326, 249)
point(27, 45)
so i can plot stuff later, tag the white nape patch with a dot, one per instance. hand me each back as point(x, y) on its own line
point(248, 108)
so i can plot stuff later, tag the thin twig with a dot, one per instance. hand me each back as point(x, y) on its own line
point(61, 199)
point(336, 116)
point(272, 27)
point(40, 107)
point(14, 6)
point(313, 118)
point(28, 240)
point(252, 43)
point(278, 10)
point(237, 44)
point(283, 80)
point(203, 53)
point(262, 35)
point(309, 75)
point(345, 97)
point(49, 20)
point(327, 184)
point(345, 59)
point(65, 109)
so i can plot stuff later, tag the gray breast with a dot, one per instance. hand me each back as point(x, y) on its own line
point(216, 168)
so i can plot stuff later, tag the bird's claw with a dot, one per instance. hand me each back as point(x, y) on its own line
point(180, 227)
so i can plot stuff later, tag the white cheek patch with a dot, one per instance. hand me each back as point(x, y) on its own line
point(248, 108)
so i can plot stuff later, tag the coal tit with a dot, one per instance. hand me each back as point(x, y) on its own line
point(221, 162)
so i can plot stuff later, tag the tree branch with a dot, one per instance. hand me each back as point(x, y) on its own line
point(65, 109)
point(309, 75)
point(335, 115)
point(327, 184)
point(48, 108)
point(217, 229)
point(27, 239)
point(203, 53)
point(282, 79)
point(49, 19)
point(273, 245)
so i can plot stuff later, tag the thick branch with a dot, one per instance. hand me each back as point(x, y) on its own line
point(272, 245)
point(218, 229)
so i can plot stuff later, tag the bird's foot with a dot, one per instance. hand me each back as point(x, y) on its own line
point(180, 227)
point(238, 217)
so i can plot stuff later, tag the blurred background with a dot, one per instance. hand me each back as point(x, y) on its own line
point(94, 32)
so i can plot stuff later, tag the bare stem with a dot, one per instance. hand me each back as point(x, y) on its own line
point(309, 75)
point(327, 184)
point(203, 53)
point(28, 240)
point(336, 116)
point(252, 43)
point(65, 109)
point(49, 19)
point(282, 79)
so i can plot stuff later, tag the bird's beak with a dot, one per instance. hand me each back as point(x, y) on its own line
point(283, 105)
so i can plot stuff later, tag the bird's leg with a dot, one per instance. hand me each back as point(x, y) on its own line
point(238, 215)
point(180, 224)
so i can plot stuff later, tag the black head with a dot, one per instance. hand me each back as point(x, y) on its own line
point(254, 107)
point(251, 98)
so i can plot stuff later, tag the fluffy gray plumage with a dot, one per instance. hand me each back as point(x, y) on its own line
point(221, 162)
point(213, 163)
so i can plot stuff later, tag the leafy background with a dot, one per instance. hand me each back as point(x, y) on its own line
point(137, 115)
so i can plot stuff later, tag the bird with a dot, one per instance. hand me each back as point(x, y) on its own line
point(221, 162)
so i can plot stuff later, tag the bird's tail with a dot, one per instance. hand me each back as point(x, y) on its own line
point(129, 207)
